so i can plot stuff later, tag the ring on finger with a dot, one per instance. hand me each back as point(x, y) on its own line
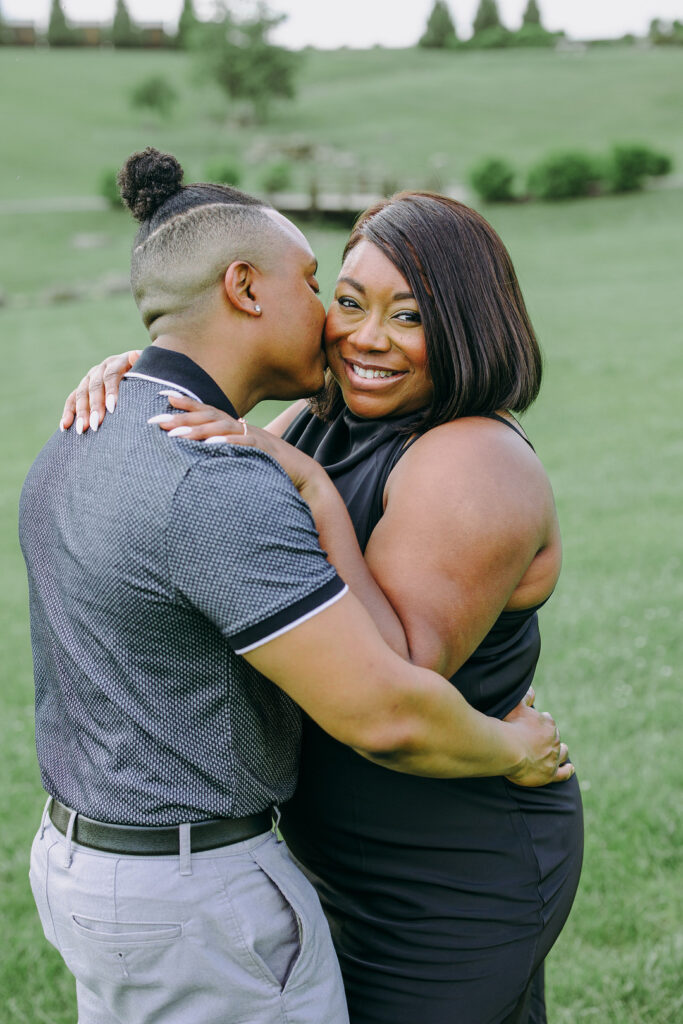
point(244, 424)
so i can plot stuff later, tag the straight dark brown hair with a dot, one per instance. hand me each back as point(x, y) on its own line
point(482, 352)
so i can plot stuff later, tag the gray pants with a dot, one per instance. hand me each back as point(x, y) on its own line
point(241, 939)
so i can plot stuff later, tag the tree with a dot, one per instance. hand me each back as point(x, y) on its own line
point(532, 32)
point(440, 31)
point(59, 32)
point(123, 32)
point(238, 56)
point(187, 25)
point(487, 16)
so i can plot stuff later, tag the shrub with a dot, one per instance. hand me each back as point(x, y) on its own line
point(109, 188)
point(224, 172)
point(277, 177)
point(564, 175)
point(628, 164)
point(493, 38)
point(154, 93)
point(660, 163)
point(533, 35)
point(492, 180)
point(666, 34)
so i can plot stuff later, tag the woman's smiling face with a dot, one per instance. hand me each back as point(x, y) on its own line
point(374, 338)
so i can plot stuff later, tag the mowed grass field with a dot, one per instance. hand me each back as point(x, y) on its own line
point(67, 115)
point(602, 281)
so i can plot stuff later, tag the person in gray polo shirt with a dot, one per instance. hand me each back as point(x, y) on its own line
point(181, 608)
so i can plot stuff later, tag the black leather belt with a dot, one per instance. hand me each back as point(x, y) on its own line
point(143, 841)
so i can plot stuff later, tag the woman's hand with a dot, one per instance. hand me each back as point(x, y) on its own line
point(545, 757)
point(198, 422)
point(97, 393)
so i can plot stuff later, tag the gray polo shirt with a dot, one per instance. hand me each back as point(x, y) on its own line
point(153, 564)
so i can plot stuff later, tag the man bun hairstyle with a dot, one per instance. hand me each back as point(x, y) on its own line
point(150, 183)
point(188, 235)
point(147, 180)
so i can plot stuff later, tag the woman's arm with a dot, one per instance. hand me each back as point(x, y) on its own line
point(469, 529)
point(335, 530)
point(427, 746)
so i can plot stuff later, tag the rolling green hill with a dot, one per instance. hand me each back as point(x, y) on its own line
point(66, 115)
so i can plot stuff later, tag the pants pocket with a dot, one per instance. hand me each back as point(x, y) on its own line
point(268, 923)
point(115, 951)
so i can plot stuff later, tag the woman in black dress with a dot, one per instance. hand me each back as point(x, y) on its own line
point(444, 895)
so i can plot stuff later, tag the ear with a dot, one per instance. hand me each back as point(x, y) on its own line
point(241, 282)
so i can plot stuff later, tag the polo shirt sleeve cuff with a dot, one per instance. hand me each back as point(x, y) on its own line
point(275, 625)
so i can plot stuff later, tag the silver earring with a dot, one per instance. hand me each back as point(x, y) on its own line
point(257, 309)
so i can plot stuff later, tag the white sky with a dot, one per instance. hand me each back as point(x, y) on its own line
point(361, 23)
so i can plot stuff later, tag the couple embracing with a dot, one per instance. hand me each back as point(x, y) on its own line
point(325, 630)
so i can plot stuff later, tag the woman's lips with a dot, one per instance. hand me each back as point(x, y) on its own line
point(371, 375)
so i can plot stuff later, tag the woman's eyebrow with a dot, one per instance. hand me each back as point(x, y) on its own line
point(354, 284)
point(398, 297)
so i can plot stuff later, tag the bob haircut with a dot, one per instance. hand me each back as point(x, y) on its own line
point(482, 352)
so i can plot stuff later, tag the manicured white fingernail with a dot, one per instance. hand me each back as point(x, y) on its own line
point(216, 439)
point(110, 403)
point(179, 431)
point(94, 421)
point(163, 417)
point(61, 426)
point(79, 425)
point(171, 394)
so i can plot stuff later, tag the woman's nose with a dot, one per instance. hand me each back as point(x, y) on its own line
point(369, 336)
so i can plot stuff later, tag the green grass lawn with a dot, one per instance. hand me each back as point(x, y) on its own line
point(67, 115)
point(602, 281)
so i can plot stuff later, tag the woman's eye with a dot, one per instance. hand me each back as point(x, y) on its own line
point(347, 302)
point(408, 316)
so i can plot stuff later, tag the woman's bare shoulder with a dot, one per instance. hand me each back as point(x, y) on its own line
point(471, 448)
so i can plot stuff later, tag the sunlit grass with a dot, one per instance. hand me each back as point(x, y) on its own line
point(602, 281)
point(393, 111)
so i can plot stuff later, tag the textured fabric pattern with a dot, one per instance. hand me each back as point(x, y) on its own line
point(146, 556)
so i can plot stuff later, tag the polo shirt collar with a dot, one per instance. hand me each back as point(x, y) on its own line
point(175, 370)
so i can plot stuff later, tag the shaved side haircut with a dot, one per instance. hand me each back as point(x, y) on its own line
point(190, 234)
point(184, 258)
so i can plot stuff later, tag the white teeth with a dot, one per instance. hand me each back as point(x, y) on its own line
point(371, 374)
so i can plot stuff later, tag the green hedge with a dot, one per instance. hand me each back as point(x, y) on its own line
point(571, 174)
point(492, 180)
point(564, 175)
point(628, 164)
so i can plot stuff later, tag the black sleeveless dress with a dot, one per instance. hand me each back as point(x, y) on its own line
point(443, 895)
